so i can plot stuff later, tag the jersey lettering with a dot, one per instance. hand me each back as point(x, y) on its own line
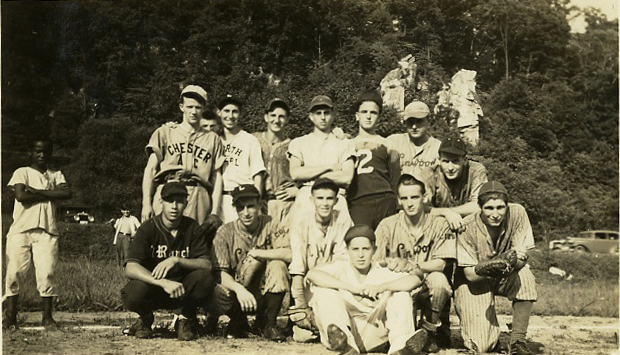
point(197, 151)
point(364, 156)
point(402, 252)
point(161, 251)
point(416, 162)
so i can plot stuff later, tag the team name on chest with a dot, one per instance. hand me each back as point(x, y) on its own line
point(163, 252)
point(199, 153)
point(416, 162)
point(232, 154)
point(402, 251)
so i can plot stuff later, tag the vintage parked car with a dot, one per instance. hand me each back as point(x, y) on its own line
point(75, 214)
point(595, 241)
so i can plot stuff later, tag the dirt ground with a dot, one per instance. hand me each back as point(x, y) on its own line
point(100, 334)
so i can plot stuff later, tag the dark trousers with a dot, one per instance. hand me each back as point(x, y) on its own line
point(370, 210)
point(144, 298)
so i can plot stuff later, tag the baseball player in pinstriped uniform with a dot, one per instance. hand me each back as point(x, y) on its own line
point(454, 190)
point(416, 242)
point(244, 162)
point(419, 151)
point(499, 227)
point(371, 196)
point(244, 288)
point(360, 306)
point(187, 153)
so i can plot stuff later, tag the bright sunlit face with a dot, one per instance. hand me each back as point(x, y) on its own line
point(230, 116)
point(324, 200)
point(192, 111)
point(360, 252)
point(494, 212)
point(276, 119)
point(173, 206)
point(411, 199)
point(451, 165)
point(368, 115)
point(322, 117)
point(248, 211)
point(416, 127)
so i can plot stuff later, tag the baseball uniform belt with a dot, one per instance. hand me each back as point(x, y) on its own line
point(124, 233)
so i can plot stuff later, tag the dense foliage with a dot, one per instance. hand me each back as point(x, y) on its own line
point(100, 76)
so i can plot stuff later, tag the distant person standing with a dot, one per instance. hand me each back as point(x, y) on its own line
point(244, 162)
point(419, 151)
point(33, 236)
point(126, 228)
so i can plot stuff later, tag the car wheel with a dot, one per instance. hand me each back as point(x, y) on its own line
point(581, 249)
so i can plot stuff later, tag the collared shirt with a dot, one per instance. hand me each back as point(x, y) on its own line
point(396, 237)
point(243, 160)
point(313, 245)
point(315, 149)
point(465, 190)
point(475, 243)
point(126, 225)
point(276, 163)
point(27, 216)
point(416, 161)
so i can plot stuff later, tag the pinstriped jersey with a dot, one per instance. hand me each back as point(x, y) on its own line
point(464, 190)
point(475, 243)
point(417, 161)
point(185, 152)
point(396, 237)
point(377, 167)
point(232, 242)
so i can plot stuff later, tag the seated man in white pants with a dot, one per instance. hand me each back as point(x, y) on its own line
point(360, 306)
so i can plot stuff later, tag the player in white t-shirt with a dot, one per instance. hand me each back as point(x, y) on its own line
point(33, 236)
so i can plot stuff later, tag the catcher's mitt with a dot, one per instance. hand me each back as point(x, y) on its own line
point(247, 269)
point(500, 266)
point(303, 317)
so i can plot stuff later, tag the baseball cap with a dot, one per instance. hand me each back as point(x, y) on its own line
point(321, 100)
point(360, 230)
point(453, 145)
point(173, 188)
point(229, 99)
point(244, 191)
point(416, 109)
point(370, 95)
point(325, 183)
point(195, 91)
point(277, 102)
point(492, 186)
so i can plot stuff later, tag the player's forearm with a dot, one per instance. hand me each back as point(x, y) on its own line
point(471, 276)
point(229, 282)
point(194, 264)
point(323, 279)
point(283, 254)
point(303, 173)
point(432, 265)
point(135, 271)
point(404, 284)
point(56, 194)
point(258, 182)
point(216, 195)
point(344, 176)
point(147, 181)
point(29, 197)
point(467, 209)
point(297, 291)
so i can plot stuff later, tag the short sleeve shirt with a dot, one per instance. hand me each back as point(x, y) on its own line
point(186, 153)
point(153, 243)
point(40, 214)
point(396, 237)
point(465, 190)
point(313, 150)
point(311, 245)
point(475, 243)
point(276, 163)
point(232, 243)
point(243, 160)
point(419, 162)
point(377, 167)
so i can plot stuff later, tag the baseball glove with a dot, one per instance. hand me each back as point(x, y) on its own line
point(303, 317)
point(247, 269)
point(209, 228)
point(500, 266)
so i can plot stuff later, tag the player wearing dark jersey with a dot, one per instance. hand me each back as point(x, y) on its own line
point(371, 194)
point(169, 267)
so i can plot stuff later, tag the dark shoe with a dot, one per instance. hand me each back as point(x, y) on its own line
point(50, 324)
point(210, 327)
point(431, 344)
point(443, 340)
point(519, 347)
point(338, 341)
point(272, 333)
point(141, 328)
point(9, 321)
point(186, 329)
point(414, 344)
point(238, 329)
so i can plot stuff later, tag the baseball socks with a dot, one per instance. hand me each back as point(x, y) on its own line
point(47, 321)
point(10, 313)
point(431, 328)
point(521, 311)
point(273, 305)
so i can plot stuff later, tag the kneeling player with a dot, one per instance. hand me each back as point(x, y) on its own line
point(414, 241)
point(250, 254)
point(360, 306)
point(500, 234)
point(169, 267)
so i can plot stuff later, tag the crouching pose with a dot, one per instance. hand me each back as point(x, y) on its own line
point(169, 267)
point(492, 261)
point(250, 255)
point(360, 306)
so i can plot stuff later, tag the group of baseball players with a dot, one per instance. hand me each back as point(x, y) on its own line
point(370, 237)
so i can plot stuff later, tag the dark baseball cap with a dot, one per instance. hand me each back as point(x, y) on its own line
point(173, 189)
point(360, 230)
point(244, 191)
point(492, 186)
point(229, 99)
point(370, 95)
point(325, 183)
point(321, 100)
point(277, 102)
point(453, 145)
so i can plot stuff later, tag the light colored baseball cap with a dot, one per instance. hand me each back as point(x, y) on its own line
point(321, 100)
point(416, 109)
point(194, 90)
